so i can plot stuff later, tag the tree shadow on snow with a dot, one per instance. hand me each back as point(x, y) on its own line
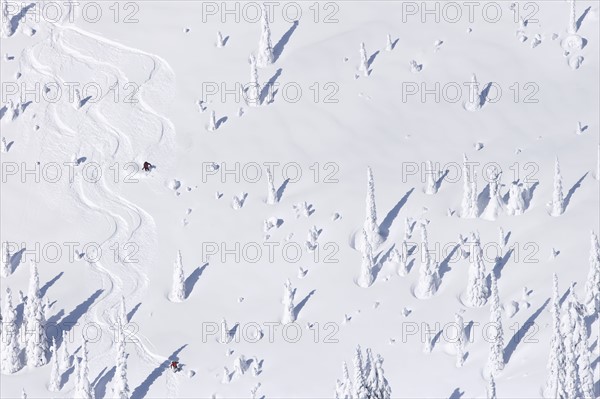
point(522, 332)
point(281, 189)
point(102, 381)
point(50, 283)
point(456, 394)
point(278, 49)
point(497, 270)
point(133, 311)
point(301, 304)
point(264, 93)
point(142, 390)
point(573, 189)
point(71, 319)
point(371, 60)
point(15, 259)
point(444, 265)
point(192, 279)
point(580, 19)
point(385, 225)
point(14, 21)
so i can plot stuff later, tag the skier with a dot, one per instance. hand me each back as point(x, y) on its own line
point(147, 166)
point(175, 366)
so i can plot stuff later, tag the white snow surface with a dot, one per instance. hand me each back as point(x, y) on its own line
point(356, 122)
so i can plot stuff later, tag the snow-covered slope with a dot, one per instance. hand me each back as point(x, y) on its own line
point(104, 229)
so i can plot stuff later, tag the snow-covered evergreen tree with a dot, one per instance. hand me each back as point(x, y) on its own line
point(121, 387)
point(557, 205)
point(364, 61)
point(496, 355)
point(178, 289)
point(399, 257)
point(516, 204)
point(366, 277)
point(389, 44)
point(383, 389)
point(4, 145)
point(212, 122)
point(37, 343)
point(23, 393)
point(343, 388)
point(6, 267)
point(371, 226)
point(54, 385)
point(474, 101)
point(491, 391)
point(83, 388)
point(570, 334)
point(289, 314)
point(582, 350)
point(271, 191)
point(572, 18)
point(428, 272)
point(265, 54)
point(431, 179)
point(360, 383)
point(496, 203)
point(253, 91)
point(468, 206)
point(10, 360)
point(122, 316)
point(65, 357)
point(460, 342)
point(556, 361)
point(477, 291)
point(592, 284)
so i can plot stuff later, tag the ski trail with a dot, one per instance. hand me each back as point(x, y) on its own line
point(129, 223)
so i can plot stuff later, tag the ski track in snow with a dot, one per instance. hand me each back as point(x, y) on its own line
point(129, 223)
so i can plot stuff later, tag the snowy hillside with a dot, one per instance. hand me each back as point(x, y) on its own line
point(352, 199)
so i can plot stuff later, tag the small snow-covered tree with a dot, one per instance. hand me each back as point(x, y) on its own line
point(389, 45)
point(360, 383)
point(491, 391)
point(4, 145)
point(122, 316)
point(400, 258)
point(7, 27)
point(6, 268)
point(460, 342)
point(252, 94)
point(569, 330)
point(557, 204)
point(572, 18)
point(364, 61)
point(37, 343)
point(289, 314)
point(496, 355)
point(477, 290)
point(516, 204)
point(383, 390)
point(428, 272)
point(212, 122)
point(556, 360)
point(474, 101)
point(54, 385)
point(178, 289)
point(431, 179)
point(220, 41)
point(83, 388)
point(371, 226)
point(496, 203)
point(366, 277)
point(271, 191)
point(121, 387)
point(10, 360)
point(265, 54)
point(592, 284)
point(469, 190)
point(65, 357)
